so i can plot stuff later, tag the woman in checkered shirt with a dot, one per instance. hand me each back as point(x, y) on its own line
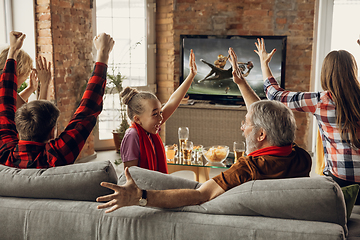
point(336, 109)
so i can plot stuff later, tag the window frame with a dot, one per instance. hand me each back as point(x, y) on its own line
point(150, 85)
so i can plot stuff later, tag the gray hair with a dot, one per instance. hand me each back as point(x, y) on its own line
point(276, 119)
point(134, 101)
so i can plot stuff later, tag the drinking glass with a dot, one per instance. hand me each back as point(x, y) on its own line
point(239, 150)
point(170, 151)
point(197, 155)
point(183, 133)
point(187, 149)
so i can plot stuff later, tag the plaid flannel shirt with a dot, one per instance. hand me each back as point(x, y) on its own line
point(66, 147)
point(340, 159)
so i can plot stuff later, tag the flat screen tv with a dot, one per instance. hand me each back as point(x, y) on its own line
point(213, 81)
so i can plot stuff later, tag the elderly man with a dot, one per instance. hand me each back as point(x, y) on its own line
point(269, 130)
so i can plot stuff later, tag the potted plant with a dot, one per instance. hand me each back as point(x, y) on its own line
point(114, 83)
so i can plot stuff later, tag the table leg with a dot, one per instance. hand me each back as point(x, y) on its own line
point(203, 174)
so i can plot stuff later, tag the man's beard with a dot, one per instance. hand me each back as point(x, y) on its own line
point(251, 143)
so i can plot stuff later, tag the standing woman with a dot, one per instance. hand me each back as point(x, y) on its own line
point(336, 109)
point(142, 145)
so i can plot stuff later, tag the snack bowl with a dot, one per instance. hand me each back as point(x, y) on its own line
point(216, 154)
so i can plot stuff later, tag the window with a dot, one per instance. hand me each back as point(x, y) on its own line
point(3, 31)
point(345, 29)
point(18, 15)
point(132, 25)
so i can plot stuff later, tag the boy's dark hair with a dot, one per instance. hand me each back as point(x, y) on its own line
point(35, 120)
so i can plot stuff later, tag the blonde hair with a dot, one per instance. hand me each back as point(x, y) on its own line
point(23, 60)
point(339, 77)
point(134, 101)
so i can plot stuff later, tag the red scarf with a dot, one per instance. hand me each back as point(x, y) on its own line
point(152, 153)
point(277, 151)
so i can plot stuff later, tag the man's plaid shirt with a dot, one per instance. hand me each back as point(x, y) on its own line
point(340, 159)
point(66, 147)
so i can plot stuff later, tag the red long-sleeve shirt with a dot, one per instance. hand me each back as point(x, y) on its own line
point(60, 151)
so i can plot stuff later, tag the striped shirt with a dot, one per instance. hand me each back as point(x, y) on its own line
point(340, 159)
point(67, 146)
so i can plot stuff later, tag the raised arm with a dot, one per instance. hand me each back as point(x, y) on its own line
point(8, 93)
point(265, 58)
point(246, 91)
point(175, 99)
point(33, 85)
point(44, 75)
point(84, 119)
point(129, 194)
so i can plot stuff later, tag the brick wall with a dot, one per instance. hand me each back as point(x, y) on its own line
point(64, 37)
point(294, 18)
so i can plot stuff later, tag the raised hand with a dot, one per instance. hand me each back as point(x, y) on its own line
point(261, 51)
point(124, 195)
point(237, 75)
point(33, 83)
point(16, 42)
point(192, 64)
point(44, 75)
point(103, 43)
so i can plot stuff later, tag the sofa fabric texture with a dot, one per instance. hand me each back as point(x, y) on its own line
point(58, 219)
point(72, 182)
point(314, 199)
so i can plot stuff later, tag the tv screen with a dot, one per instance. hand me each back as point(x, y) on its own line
point(213, 81)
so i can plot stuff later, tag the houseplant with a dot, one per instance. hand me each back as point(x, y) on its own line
point(114, 83)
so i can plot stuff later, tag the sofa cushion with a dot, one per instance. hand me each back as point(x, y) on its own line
point(153, 180)
point(73, 182)
point(313, 199)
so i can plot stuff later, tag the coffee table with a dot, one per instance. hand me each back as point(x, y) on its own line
point(201, 171)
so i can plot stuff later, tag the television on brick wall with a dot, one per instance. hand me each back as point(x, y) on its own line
point(213, 81)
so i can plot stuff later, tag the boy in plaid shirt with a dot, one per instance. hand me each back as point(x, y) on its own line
point(27, 134)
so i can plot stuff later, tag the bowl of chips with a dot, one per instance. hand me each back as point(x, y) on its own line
point(216, 154)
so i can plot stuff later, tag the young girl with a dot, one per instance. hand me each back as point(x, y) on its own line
point(337, 110)
point(142, 145)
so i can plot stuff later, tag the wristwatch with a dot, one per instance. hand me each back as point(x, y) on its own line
point(143, 199)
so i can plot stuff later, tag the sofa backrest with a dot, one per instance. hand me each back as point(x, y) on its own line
point(72, 182)
point(313, 199)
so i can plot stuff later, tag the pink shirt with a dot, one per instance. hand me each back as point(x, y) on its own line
point(130, 147)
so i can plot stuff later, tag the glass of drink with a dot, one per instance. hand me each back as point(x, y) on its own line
point(183, 133)
point(197, 154)
point(239, 150)
point(170, 151)
point(187, 149)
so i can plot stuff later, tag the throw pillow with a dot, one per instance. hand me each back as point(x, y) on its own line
point(79, 181)
point(350, 194)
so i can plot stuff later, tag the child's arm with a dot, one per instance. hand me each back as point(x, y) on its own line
point(8, 94)
point(33, 85)
point(175, 99)
point(44, 75)
point(70, 142)
point(246, 91)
